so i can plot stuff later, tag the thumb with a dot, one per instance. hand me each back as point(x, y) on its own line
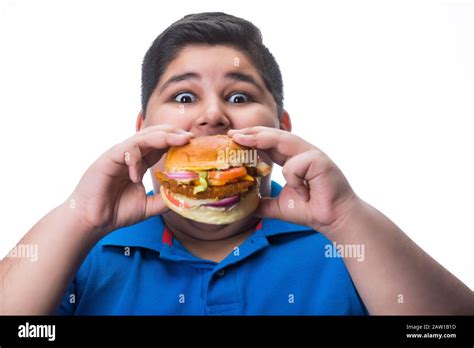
point(155, 205)
point(269, 208)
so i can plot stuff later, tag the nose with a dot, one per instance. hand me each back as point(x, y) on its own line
point(212, 119)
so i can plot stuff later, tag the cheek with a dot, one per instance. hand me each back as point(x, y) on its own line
point(254, 115)
point(175, 115)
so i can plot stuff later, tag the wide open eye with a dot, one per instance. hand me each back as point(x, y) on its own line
point(185, 97)
point(238, 98)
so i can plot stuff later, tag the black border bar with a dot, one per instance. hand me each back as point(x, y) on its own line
point(136, 330)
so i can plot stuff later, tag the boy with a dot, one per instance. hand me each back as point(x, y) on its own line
point(113, 249)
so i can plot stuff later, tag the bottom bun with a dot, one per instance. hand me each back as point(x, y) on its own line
point(218, 216)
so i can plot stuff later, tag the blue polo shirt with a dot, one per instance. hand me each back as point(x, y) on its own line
point(281, 269)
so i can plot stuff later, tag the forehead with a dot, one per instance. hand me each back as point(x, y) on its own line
point(212, 61)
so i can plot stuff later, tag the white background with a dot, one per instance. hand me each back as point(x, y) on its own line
point(384, 87)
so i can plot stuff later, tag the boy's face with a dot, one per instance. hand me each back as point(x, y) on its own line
point(208, 90)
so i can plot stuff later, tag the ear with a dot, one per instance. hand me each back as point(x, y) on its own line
point(285, 121)
point(139, 122)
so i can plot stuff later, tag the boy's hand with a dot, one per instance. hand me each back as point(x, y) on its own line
point(316, 193)
point(110, 194)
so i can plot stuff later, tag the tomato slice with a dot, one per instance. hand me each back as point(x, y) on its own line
point(176, 202)
point(227, 174)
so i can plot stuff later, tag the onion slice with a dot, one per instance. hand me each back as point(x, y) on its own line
point(182, 175)
point(225, 202)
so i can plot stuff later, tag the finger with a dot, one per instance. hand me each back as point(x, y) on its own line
point(152, 146)
point(279, 146)
point(249, 130)
point(158, 130)
point(295, 172)
point(133, 159)
point(162, 140)
point(160, 127)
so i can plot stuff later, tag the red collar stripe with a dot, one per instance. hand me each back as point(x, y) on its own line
point(167, 237)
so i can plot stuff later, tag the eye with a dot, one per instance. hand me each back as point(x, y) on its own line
point(185, 97)
point(238, 98)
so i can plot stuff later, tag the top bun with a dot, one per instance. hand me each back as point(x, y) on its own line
point(203, 153)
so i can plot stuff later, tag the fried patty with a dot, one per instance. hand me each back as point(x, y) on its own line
point(212, 192)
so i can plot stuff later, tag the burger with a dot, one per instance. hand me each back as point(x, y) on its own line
point(212, 180)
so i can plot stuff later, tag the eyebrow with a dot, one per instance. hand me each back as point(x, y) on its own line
point(236, 76)
point(178, 78)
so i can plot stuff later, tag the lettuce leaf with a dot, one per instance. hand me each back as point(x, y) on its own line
point(202, 183)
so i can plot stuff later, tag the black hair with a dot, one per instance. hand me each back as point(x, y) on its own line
point(211, 28)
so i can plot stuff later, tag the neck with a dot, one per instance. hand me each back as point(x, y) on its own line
point(213, 244)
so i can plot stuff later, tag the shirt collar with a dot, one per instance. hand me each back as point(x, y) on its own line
point(151, 233)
